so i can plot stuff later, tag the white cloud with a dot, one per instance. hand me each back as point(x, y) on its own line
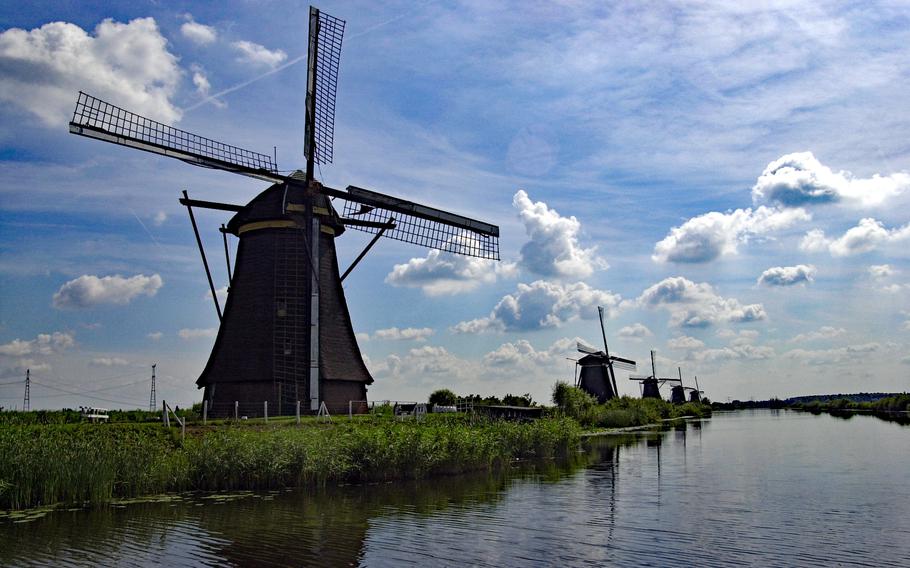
point(800, 179)
point(684, 342)
point(814, 241)
point(257, 55)
point(200, 34)
point(866, 236)
point(405, 334)
point(155, 335)
point(788, 275)
point(443, 273)
point(542, 304)
point(361, 336)
point(697, 305)
point(712, 235)
point(159, 218)
point(879, 271)
point(190, 334)
point(824, 332)
point(634, 331)
point(108, 362)
point(43, 344)
point(127, 64)
point(88, 290)
point(519, 352)
point(834, 356)
point(553, 249)
point(734, 352)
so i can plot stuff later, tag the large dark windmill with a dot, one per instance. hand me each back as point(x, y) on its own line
point(286, 333)
point(650, 386)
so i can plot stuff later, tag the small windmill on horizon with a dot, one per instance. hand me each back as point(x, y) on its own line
point(286, 333)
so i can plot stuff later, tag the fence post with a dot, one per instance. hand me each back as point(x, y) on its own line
point(350, 409)
point(265, 409)
point(167, 418)
point(205, 412)
point(236, 410)
point(298, 413)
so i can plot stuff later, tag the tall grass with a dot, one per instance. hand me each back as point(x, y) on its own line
point(42, 465)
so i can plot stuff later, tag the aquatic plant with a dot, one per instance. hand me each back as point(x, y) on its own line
point(94, 463)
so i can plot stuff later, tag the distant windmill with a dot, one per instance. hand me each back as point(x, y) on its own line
point(597, 376)
point(650, 385)
point(695, 394)
point(286, 334)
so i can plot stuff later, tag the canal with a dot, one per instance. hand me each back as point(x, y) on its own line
point(752, 488)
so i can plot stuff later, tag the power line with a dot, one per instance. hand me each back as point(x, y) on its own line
point(137, 404)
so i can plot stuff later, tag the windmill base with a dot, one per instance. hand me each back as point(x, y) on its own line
point(254, 399)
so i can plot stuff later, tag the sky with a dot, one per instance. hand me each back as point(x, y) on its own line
point(728, 180)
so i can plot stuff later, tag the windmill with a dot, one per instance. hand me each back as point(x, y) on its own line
point(597, 376)
point(286, 333)
point(695, 394)
point(650, 385)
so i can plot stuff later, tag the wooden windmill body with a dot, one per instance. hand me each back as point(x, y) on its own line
point(286, 335)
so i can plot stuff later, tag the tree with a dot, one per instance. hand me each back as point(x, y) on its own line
point(443, 397)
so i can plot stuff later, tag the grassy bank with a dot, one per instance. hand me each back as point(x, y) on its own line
point(623, 412)
point(79, 463)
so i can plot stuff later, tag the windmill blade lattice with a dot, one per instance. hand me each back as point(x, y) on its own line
point(328, 41)
point(421, 225)
point(98, 119)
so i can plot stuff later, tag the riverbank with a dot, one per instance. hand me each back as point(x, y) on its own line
point(95, 463)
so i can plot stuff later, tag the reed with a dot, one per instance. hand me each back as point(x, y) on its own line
point(94, 463)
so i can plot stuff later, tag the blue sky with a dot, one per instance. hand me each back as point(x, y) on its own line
point(730, 182)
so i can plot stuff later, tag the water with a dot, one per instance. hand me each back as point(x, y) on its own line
point(762, 488)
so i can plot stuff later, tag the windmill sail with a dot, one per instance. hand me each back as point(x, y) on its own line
point(419, 224)
point(323, 58)
point(101, 120)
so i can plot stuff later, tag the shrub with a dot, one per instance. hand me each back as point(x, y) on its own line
point(443, 397)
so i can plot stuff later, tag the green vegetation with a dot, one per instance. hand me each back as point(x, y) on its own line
point(896, 403)
point(443, 397)
point(94, 463)
point(619, 412)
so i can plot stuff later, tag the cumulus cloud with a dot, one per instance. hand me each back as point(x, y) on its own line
point(405, 334)
point(542, 304)
point(159, 218)
point(684, 343)
point(43, 344)
point(834, 356)
point(734, 352)
point(443, 273)
point(824, 332)
point(879, 271)
point(787, 275)
point(866, 236)
point(697, 305)
point(200, 34)
point(799, 179)
point(553, 248)
point(155, 335)
point(712, 235)
point(88, 290)
point(634, 331)
point(108, 362)
point(128, 64)
point(257, 55)
point(189, 334)
point(515, 353)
